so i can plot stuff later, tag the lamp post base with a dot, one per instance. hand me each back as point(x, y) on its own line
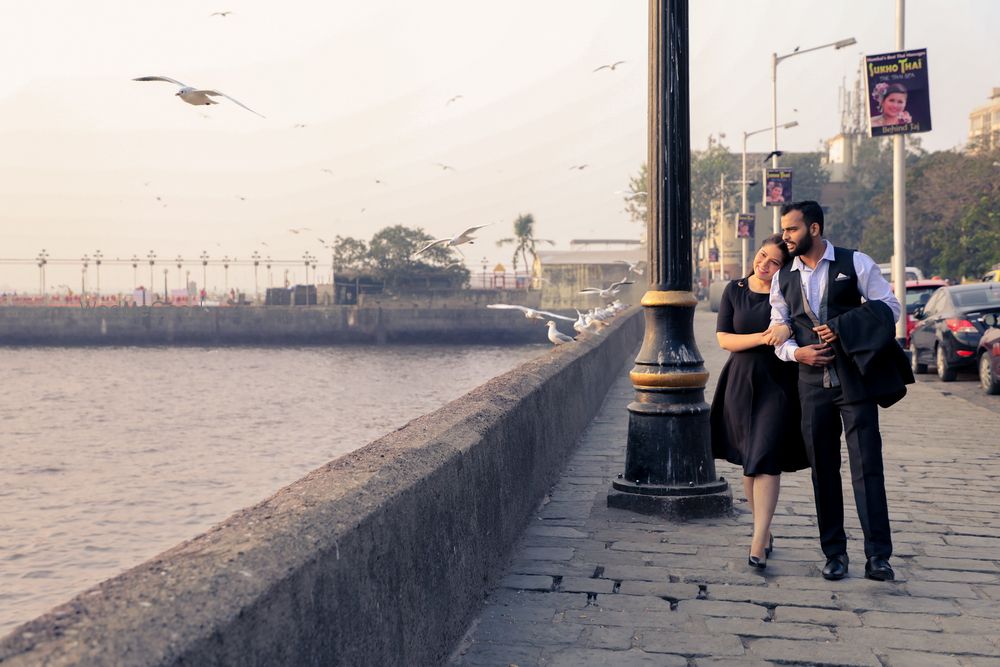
point(677, 503)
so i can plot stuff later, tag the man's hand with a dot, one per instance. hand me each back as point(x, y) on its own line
point(825, 334)
point(814, 355)
point(776, 334)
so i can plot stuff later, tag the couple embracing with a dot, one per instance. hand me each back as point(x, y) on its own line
point(812, 336)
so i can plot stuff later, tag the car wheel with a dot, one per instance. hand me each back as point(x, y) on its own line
point(917, 367)
point(991, 384)
point(945, 372)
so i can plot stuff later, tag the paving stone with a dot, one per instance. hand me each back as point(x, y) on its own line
point(583, 585)
point(527, 582)
point(660, 589)
point(499, 631)
point(974, 541)
point(920, 574)
point(771, 596)
point(719, 608)
point(746, 627)
point(957, 564)
point(492, 655)
point(967, 624)
point(881, 619)
point(939, 589)
point(626, 618)
point(933, 642)
point(546, 553)
point(690, 644)
point(551, 568)
point(506, 598)
point(816, 616)
point(742, 661)
point(656, 547)
point(907, 604)
point(556, 531)
point(522, 613)
point(586, 657)
point(839, 654)
point(898, 658)
point(619, 639)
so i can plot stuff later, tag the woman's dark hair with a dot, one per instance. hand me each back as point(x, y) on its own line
point(893, 88)
point(775, 240)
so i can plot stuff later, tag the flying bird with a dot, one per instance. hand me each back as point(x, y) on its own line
point(633, 267)
point(611, 67)
point(454, 241)
point(295, 230)
point(298, 126)
point(555, 336)
point(444, 166)
point(579, 167)
point(611, 289)
point(454, 99)
point(379, 182)
point(631, 194)
point(529, 313)
point(222, 14)
point(196, 96)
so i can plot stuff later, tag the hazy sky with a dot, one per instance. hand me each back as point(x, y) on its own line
point(86, 152)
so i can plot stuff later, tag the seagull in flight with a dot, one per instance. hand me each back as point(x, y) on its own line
point(454, 99)
point(633, 267)
point(530, 313)
point(444, 166)
point(611, 290)
point(579, 167)
point(557, 337)
point(326, 171)
point(610, 67)
point(454, 241)
point(222, 14)
point(195, 96)
point(631, 194)
point(295, 230)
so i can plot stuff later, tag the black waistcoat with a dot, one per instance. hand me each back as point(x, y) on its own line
point(840, 297)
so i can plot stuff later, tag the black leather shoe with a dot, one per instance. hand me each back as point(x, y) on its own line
point(770, 546)
point(759, 563)
point(836, 567)
point(878, 568)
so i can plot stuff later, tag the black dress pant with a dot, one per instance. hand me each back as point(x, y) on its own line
point(823, 409)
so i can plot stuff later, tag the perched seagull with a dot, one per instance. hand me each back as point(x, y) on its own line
point(454, 99)
point(454, 241)
point(222, 14)
point(633, 267)
point(580, 167)
point(195, 96)
point(555, 336)
point(444, 166)
point(530, 313)
point(611, 67)
point(611, 290)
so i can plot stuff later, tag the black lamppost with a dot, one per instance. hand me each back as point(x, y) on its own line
point(135, 271)
point(204, 271)
point(180, 278)
point(485, 263)
point(97, 262)
point(669, 469)
point(151, 256)
point(83, 278)
point(42, 261)
point(256, 263)
point(225, 270)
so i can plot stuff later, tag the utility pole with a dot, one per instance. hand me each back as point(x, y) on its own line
point(899, 199)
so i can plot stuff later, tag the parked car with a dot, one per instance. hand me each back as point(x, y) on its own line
point(991, 276)
point(918, 293)
point(989, 355)
point(912, 272)
point(950, 326)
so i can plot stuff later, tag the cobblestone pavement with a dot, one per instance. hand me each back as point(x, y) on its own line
point(589, 585)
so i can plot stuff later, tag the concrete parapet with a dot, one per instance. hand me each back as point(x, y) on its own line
point(264, 326)
point(380, 557)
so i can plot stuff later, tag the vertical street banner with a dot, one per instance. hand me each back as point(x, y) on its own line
point(745, 225)
point(777, 187)
point(898, 93)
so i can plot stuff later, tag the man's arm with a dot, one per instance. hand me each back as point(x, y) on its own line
point(872, 285)
point(780, 315)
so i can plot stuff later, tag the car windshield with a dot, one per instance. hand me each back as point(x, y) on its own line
point(918, 296)
point(978, 297)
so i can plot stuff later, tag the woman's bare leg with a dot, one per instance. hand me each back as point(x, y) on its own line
point(765, 500)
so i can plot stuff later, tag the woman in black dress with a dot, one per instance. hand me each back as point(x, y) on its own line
point(755, 411)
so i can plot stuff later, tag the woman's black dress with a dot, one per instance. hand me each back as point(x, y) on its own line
point(755, 411)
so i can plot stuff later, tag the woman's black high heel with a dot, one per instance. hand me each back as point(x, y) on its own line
point(758, 563)
point(770, 546)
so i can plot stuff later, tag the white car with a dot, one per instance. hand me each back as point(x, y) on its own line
point(912, 272)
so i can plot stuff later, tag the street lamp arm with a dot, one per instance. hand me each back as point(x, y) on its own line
point(839, 44)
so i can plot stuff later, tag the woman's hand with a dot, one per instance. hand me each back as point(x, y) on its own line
point(776, 334)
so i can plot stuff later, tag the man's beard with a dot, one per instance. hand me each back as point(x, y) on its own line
point(802, 247)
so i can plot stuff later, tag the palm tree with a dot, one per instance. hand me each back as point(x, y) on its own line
point(524, 240)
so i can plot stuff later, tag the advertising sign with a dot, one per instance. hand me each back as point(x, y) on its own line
point(745, 225)
point(898, 95)
point(777, 187)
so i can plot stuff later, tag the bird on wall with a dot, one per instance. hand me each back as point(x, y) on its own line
point(196, 96)
point(557, 337)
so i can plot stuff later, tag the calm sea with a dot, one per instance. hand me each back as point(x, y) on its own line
point(110, 456)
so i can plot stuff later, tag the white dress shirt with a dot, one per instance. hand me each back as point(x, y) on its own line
point(871, 285)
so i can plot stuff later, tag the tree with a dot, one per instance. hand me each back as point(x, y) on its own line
point(350, 254)
point(636, 205)
point(391, 258)
point(524, 240)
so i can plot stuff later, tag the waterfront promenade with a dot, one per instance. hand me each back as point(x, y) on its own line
point(589, 585)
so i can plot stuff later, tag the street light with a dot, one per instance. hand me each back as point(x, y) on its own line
point(83, 277)
point(669, 469)
point(256, 262)
point(135, 271)
point(485, 263)
point(151, 256)
point(775, 59)
point(225, 269)
point(308, 260)
point(42, 261)
point(204, 271)
point(746, 184)
point(97, 262)
point(165, 298)
point(180, 262)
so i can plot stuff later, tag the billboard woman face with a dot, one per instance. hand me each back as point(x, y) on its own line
point(893, 105)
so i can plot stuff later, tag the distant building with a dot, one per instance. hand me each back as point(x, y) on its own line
point(561, 274)
point(984, 125)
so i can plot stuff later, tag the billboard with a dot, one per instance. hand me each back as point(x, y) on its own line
point(777, 186)
point(745, 225)
point(898, 95)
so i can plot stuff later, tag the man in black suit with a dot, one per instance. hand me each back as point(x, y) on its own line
point(849, 364)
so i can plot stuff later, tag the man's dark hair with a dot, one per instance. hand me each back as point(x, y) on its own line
point(811, 212)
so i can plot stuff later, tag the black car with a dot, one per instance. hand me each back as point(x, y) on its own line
point(949, 328)
point(989, 355)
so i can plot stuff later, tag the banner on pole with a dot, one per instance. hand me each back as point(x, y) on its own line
point(745, 225)
point(777, 187)
point(898, 93)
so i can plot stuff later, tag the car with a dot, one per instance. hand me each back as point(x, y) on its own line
point(991, 276)
point(989, 355)
point(949, 328)
point(912, 272)
point(918, 293)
